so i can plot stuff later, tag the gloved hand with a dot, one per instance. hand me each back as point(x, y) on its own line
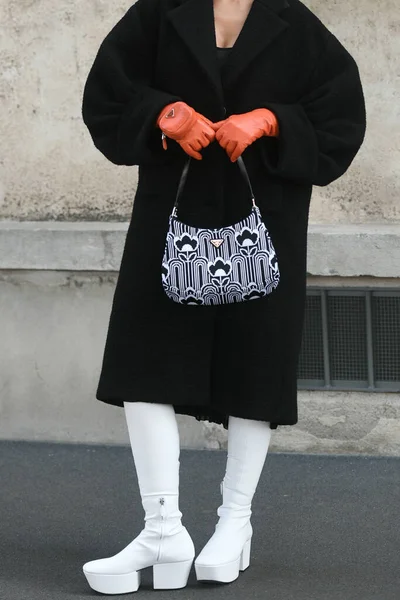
point(239, 131)
point(190, 129)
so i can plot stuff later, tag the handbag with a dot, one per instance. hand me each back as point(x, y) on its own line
point(229, 264)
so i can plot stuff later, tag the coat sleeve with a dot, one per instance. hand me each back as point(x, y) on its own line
point(120, 106)
point(322, 132)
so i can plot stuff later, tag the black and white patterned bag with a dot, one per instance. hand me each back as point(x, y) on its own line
point(219, 266)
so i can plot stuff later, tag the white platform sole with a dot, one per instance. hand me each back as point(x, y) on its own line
point(166, 576)
point(227, 572)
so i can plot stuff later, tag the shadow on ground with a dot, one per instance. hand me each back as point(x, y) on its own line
point(325, 527)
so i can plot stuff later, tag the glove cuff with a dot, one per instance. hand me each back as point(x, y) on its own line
point(271, 125)
point(164, 111)
point(177, 119)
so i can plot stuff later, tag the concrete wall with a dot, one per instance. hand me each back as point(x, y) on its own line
point(56, 286)
point(49, 168)
point(53, 328)
point(57, 279)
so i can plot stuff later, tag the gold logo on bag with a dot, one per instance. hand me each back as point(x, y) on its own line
point(216, 243)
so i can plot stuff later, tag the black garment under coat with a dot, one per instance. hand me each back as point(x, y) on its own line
point(239, 359)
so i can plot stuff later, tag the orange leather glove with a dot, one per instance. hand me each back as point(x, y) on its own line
point(239, 131)
point(190, 129)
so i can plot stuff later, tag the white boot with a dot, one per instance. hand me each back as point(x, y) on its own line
point(228, 550)
point(164, 543)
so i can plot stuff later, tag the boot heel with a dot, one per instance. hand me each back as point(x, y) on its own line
point(171, 576)
point(245, 556)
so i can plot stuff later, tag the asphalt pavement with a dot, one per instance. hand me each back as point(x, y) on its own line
point(326, 527)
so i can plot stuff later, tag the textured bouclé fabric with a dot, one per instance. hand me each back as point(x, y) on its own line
point(240, 359)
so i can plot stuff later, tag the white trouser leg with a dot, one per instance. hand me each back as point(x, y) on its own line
point(228, 550)
point(164, 543)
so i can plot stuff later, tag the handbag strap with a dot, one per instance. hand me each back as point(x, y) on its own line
point(183, 177)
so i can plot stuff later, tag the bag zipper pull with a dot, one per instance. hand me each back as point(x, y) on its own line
point(162, 508)
point(164, 140)
point(162, 513)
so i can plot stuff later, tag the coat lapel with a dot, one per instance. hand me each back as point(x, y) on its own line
point(261, 28)
point(194, 22)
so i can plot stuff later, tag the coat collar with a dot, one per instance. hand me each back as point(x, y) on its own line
point(194, 22)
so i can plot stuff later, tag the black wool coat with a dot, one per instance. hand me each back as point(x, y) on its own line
point(240, 359)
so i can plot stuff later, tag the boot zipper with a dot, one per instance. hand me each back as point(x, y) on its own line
point(162, 513)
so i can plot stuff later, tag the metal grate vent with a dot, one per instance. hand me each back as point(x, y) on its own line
point(311, 365)
point(386, 334)
point(351, 340)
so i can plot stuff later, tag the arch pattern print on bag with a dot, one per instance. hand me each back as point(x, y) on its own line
point(219, 266)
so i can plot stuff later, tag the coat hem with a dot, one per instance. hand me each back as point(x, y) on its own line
point(200, 413)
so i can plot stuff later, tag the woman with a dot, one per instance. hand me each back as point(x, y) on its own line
point(213, 80)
